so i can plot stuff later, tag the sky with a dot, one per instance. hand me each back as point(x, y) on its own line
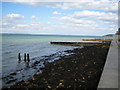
point(93, 17)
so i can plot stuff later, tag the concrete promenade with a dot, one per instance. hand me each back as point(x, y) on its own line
point(109, 78)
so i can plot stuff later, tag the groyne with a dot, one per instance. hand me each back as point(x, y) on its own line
point(81, 43)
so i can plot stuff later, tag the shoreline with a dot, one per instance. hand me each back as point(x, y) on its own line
point(79, 70)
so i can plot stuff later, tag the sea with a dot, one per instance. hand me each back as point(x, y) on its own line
point(39, 49)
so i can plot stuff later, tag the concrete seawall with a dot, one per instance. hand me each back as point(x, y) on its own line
point(109, 77)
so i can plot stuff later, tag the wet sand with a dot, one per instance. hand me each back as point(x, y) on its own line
point(80, 70)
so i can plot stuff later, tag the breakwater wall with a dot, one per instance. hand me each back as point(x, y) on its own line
point(81, 43)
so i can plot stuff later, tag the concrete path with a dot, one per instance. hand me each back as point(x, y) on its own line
point(109, 78)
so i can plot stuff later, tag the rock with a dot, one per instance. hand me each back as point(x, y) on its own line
point(88, 76)
point(68, 70)
point(13, 73)
point(61, 85)
point(49, 86)
point(33, 78)
point(83, 78)
point(41, 68)
point(62, 81)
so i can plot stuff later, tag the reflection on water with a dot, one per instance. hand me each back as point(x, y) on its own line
point(26, 64)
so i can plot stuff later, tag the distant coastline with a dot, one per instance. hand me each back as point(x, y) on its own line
point(108, 35)
point(49, 34)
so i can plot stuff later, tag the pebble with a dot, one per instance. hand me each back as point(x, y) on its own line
point(88, 76)
point(69, 86)
point(61, 85)
point(86, 65)
point(68, 70)
point(75, 79)
point(82, 81)
point(33, 78)
point(83, 78)
point(49, 86)
point(62, 81)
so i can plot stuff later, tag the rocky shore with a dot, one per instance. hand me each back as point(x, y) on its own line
point(80, 70)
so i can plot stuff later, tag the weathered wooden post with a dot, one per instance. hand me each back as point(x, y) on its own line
point(28, 58)
point(25, 57)
point(19, 57)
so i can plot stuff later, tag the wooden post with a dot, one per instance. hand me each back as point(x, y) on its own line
point(25, 57)
point(19, 57)
point(28, 58)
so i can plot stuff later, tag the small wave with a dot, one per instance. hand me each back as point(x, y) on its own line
point(12, 45)
point(8, 52)
point(11, 57)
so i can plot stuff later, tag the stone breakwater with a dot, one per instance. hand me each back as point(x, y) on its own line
point(81, 43)
point(103, 40)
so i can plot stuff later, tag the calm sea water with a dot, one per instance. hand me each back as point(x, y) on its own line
point(38, 46)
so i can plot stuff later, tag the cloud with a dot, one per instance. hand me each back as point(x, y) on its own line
point(76, 23)
point(102, 5)
point(88, 17)
point(61, 28)
point(10, 20)
point(95, 17)
point(91, 21)
point(49, 23)
point(70, 19)
point(14, 16)
point(36, 1)
point(72, 24)
point(22, 25)
point(56, 13)
point(33, 17)
point(106, 5)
